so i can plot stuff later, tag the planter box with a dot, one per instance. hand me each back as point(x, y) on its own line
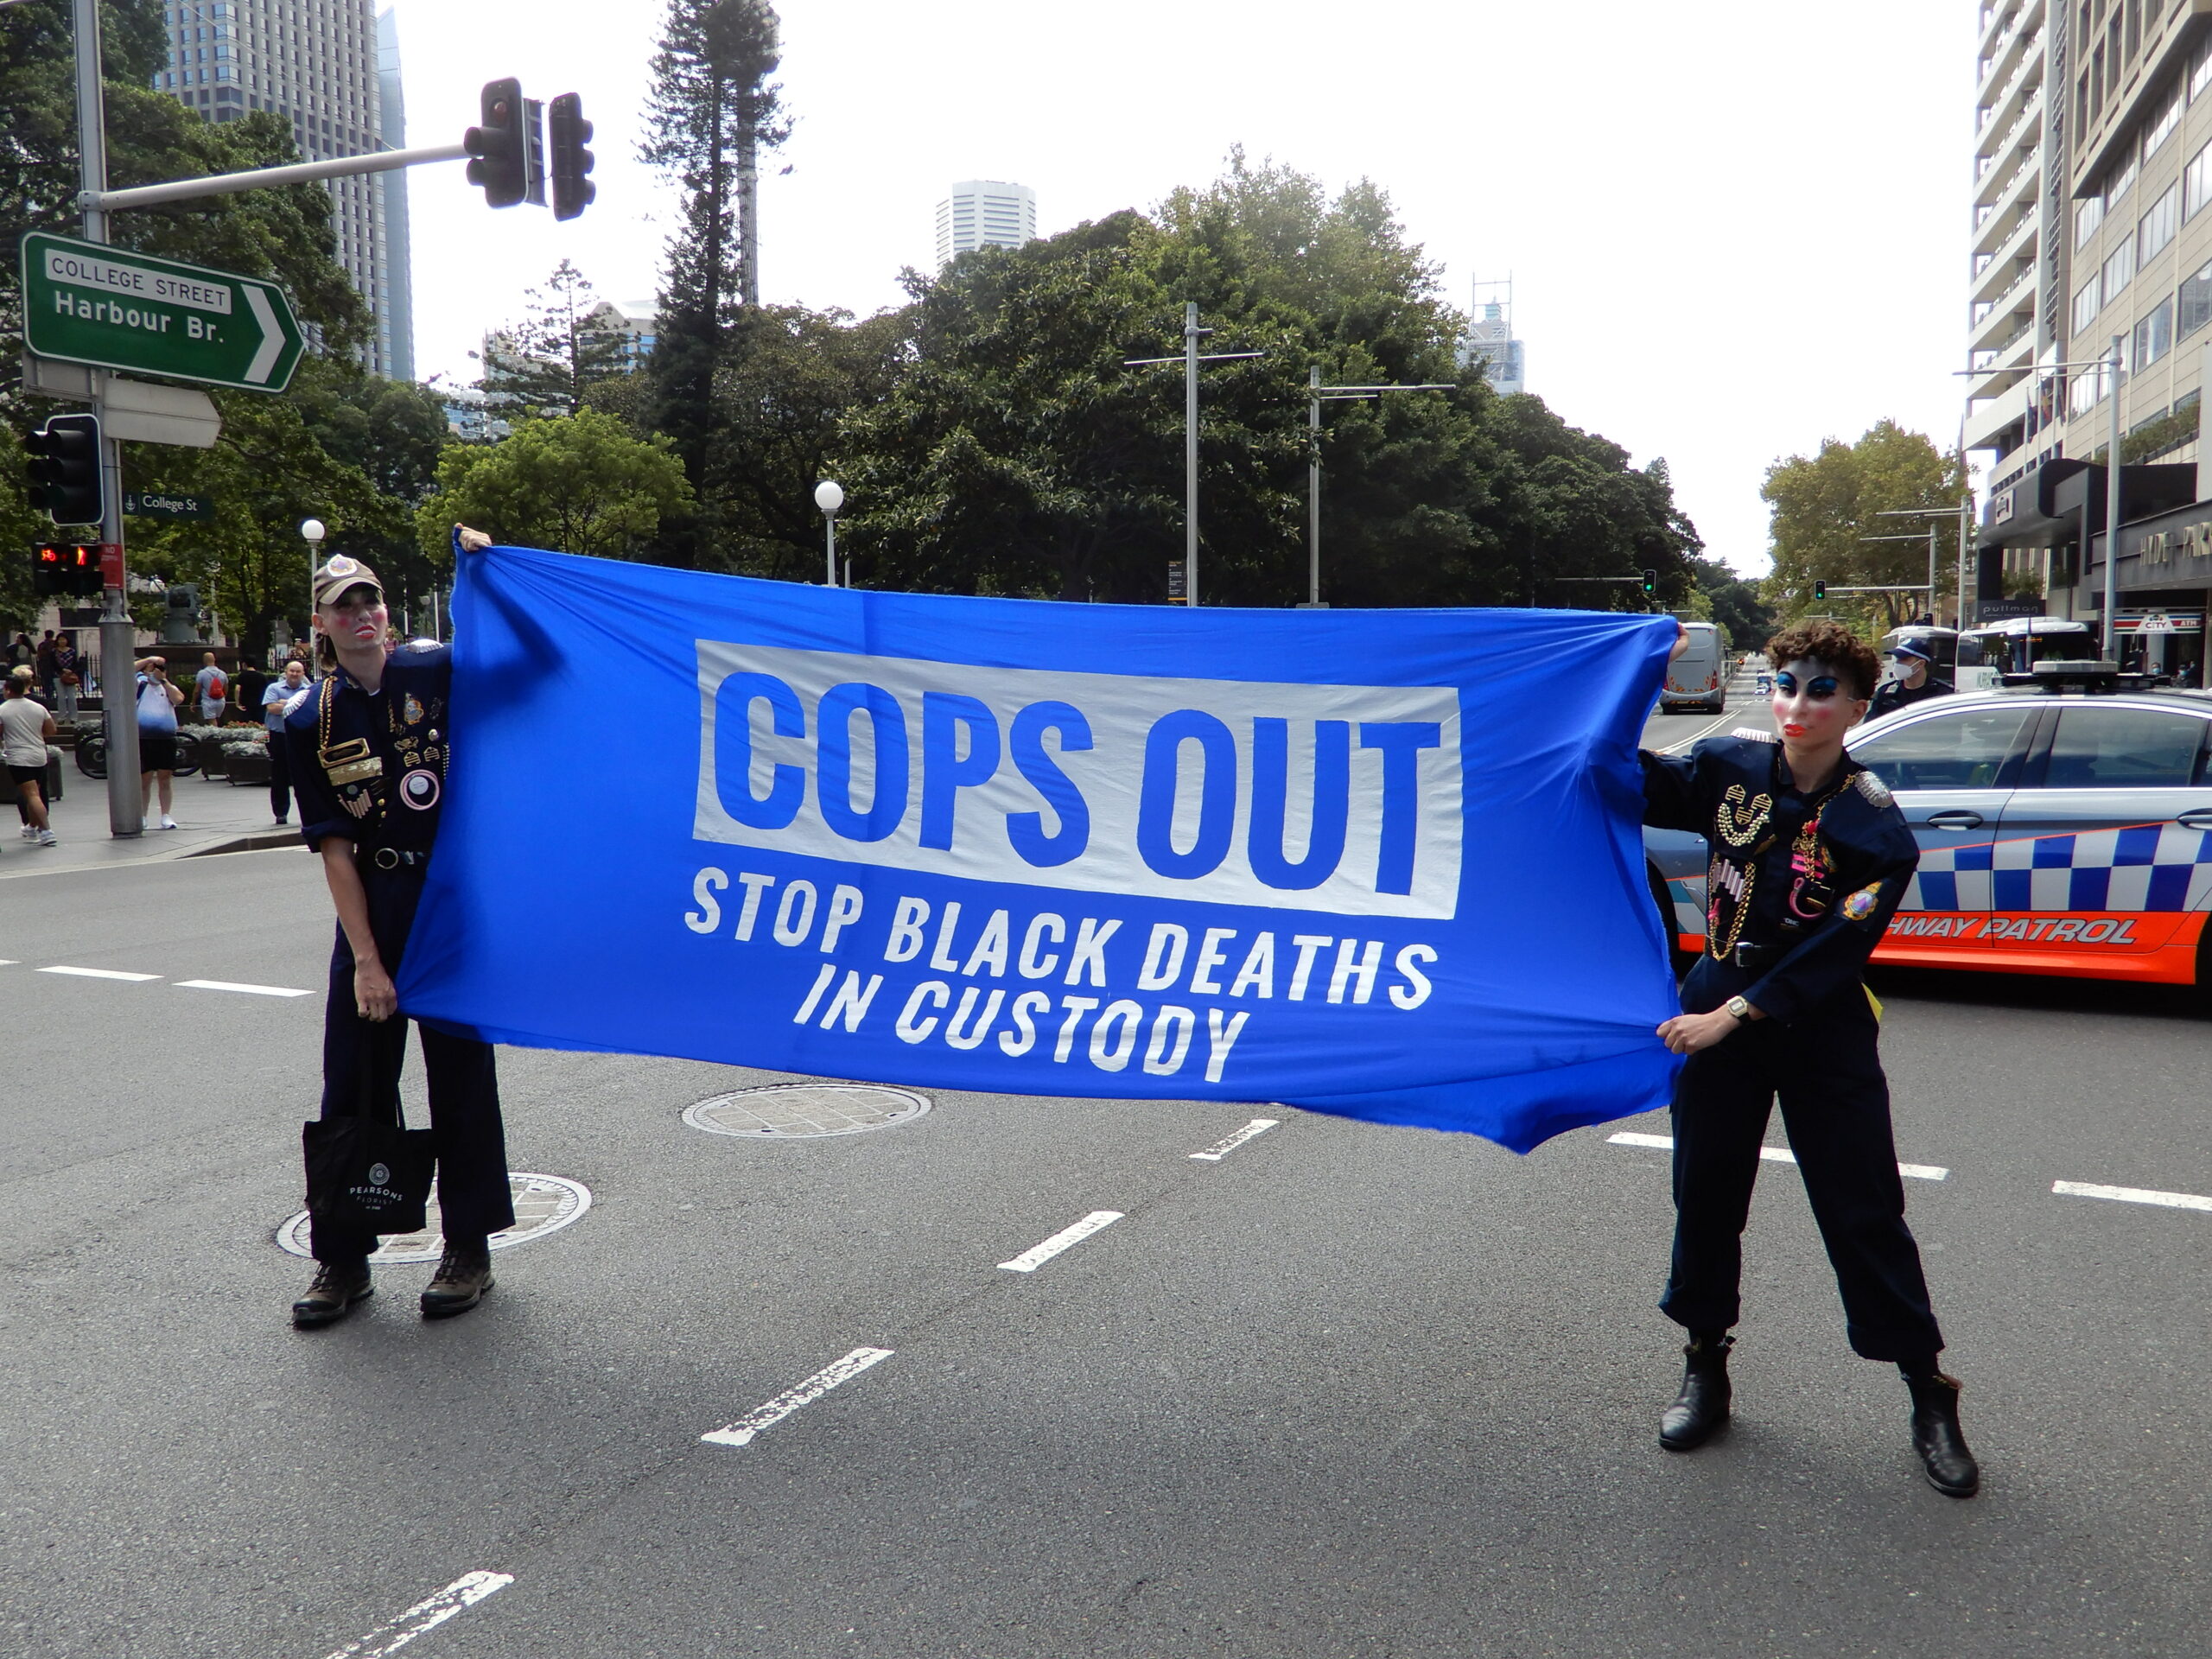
point(247, 768)
point(212, 762)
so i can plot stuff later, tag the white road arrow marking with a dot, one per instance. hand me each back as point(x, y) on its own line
point(272, 335)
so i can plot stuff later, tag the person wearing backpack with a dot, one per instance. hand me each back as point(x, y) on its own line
point(213, 687)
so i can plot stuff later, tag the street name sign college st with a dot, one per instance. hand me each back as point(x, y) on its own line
point(114, 308)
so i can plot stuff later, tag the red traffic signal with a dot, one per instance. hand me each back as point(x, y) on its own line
point(567, 132)
point(60, 570)
point(65, 469)
point(500, 148)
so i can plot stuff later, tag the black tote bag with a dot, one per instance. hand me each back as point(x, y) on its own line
point(366, 1175)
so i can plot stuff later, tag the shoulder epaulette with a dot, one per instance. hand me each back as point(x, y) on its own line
point(421, 645)
point(298, 698)
point(1754, 736)
point(1872, 788)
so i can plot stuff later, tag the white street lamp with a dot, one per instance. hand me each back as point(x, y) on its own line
point(830, 496)
point(311, 533)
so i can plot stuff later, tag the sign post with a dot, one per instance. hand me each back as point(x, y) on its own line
point(112, 308)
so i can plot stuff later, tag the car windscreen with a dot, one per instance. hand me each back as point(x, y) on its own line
point(1963, 748)
point(2125, 748)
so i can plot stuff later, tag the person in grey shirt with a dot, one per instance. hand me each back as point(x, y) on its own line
point(25, 726)
point(212, 687)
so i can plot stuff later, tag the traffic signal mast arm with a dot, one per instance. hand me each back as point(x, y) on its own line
point(265, 178)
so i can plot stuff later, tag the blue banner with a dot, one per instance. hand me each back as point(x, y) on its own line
point(1379, 863)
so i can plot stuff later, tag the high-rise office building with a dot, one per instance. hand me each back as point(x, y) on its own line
point(317, 63)
point(2017, 320)
point(396, 322)
point(1490, 337)
point(984, 212)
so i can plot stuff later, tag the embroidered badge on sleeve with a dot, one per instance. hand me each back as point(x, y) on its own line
point(1860, 904)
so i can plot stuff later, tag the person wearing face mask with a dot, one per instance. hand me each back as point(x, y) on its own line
point(1810, 858)
point(369, 747)
point(1916, 682)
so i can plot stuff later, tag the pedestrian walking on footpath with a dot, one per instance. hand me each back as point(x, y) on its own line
point(68, 675)
point(212, 687)
point(158, 701)
point(44, 664)
point(26, 727)
point(1810, 858)
point(274, 697)
point(370, 749)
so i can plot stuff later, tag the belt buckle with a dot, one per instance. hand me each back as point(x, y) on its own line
point(386, 859)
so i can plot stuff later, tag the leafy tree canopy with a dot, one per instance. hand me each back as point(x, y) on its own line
point(1827, 506)
point(578, 483)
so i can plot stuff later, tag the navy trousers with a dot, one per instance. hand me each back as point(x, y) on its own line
point(472, 1191)
point(1826, 1070)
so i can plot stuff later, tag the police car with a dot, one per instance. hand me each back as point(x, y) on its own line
point(2064, 823)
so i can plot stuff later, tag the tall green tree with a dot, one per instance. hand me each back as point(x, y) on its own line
point(713, 108)
point(1829, 507)
point(575, 484)
point(549, 363)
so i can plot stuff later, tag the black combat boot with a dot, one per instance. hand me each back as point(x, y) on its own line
point(1702, 1406)
point(1937, 1436)
point(463, 1278)
point(337, 1286)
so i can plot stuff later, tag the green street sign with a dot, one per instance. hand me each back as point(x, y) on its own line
point(112, 308)
point(165, 504)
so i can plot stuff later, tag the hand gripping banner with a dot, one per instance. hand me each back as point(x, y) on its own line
point(1379, 863)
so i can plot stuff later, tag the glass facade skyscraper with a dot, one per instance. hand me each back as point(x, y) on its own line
point(324, 65)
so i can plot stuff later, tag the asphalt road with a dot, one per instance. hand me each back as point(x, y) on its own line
point(1348, 1390)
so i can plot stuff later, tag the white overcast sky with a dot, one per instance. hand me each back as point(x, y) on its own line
point(1735, 227)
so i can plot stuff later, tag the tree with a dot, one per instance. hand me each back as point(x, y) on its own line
point(1736, 604)
point(1827, 505)
point(550, 364)
point(713, 108)
point(575, 484)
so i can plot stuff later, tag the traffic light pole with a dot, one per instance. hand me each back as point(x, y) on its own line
point(118, 640)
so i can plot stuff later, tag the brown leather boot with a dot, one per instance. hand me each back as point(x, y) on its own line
point(337, 1286)
point(463, 1276)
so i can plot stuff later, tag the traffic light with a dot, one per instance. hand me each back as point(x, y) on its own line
point(567, 132)
point(65, 469)
point(1820, 590)
point(61, 571)
point(500, 148)
point(1650, 583)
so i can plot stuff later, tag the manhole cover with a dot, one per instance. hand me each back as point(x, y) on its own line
point(787, 1111)
point(543, 1203)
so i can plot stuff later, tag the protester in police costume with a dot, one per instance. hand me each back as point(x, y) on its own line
point(1916, 682)
point(1810, 858)
point(369, 748)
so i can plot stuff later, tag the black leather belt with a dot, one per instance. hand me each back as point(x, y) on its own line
point(390, 858)
point(1756, 956)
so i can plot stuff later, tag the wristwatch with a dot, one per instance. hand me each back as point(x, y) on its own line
point(1737, 1007)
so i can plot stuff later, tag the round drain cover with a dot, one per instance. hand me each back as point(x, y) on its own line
point(543, 1203)
point(786, 1111)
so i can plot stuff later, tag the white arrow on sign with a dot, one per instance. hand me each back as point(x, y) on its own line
point(272, 337)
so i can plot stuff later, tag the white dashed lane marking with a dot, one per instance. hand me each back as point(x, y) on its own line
point(2130, 1195)
point(427, 1614)
point(247, 990)
point(741, 1432)
point(101, 972)
point(1221, 1149)
point(1038, 1254)
point(1774, 1155)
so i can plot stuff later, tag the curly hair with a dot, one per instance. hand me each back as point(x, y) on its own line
point(1833, 645)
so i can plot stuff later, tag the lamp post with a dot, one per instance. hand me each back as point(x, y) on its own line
point(1189, 357)
point(311, 533)
point(1317, 394)
point(830, 496)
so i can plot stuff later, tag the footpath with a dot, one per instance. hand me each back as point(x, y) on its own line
point(213, 816)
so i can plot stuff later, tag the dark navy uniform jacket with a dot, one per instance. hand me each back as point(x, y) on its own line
point(372, 769)
point(1891, 696)
point(1799, 887)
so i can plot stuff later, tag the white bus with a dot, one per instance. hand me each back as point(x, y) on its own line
point(1697, 678)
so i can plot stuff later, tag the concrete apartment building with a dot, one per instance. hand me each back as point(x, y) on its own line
point(2094, 164)
point(318, 64)
point(984, 212)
